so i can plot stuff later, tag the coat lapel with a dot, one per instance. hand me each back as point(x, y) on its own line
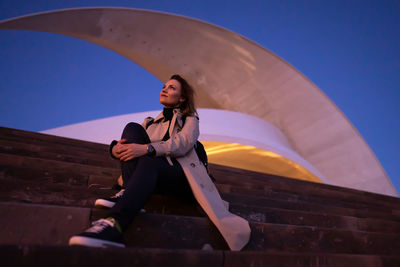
point(161, 131)
point(176, 118)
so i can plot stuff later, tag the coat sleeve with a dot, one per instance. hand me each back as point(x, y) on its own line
point(181, 142)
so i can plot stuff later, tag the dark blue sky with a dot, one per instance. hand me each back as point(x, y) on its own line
point(349, 49)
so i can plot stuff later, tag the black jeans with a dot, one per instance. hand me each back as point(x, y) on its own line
point(144, 176)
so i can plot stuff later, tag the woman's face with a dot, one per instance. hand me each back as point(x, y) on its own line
point(171, 94)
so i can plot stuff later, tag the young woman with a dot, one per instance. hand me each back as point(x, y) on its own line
point(159, 156)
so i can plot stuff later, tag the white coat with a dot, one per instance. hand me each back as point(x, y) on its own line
point(234, 229)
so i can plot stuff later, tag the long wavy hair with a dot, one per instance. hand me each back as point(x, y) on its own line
point(188, 106)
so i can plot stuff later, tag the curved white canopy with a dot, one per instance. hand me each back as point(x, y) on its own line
point(217, 126)
point(229, 72)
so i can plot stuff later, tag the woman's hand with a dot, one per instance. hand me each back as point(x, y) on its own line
point(126, 152)
point(117, 149)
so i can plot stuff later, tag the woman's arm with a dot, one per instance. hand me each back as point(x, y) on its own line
point(179, 144)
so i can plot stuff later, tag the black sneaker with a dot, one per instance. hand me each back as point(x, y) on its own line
point(102, 234)
point(110, 201)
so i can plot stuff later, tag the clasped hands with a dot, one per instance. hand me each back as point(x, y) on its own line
point(125, 152)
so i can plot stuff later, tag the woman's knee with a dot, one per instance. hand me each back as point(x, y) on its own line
point(135, 133)
point(133, 127)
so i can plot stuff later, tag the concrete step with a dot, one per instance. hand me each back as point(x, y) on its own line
point(46, 140)
point(39, 192)
point(294, 197)
point(218, 170)
point(188, 232)
point(74, 196)
point(260, 201)
point(252, 180)
point(61, 256)
point(52, 225)
point(244, 189)
point(293, 222)
point(234, 176)
point(81, 256)
point(266, 259)
point(316, 219)
point(58, 152)
point(57, 194)
point(40, 224)
point(52, 171)
point(47, 191)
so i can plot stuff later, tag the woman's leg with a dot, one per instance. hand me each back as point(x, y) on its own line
point(141, 177)
point(150, 173)
point(133, 133)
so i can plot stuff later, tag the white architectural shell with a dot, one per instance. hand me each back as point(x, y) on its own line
point(216, 125)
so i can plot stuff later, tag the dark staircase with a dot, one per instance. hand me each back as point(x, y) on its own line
point(48, 185)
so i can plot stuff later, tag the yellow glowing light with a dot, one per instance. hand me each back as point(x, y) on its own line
point(255, 159)
point(227, 148)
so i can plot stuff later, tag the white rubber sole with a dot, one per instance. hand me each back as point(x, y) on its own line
point(102, 203)
point(93, 242)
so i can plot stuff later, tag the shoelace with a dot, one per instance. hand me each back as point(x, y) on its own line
point(119, 194)
point(99, 226)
